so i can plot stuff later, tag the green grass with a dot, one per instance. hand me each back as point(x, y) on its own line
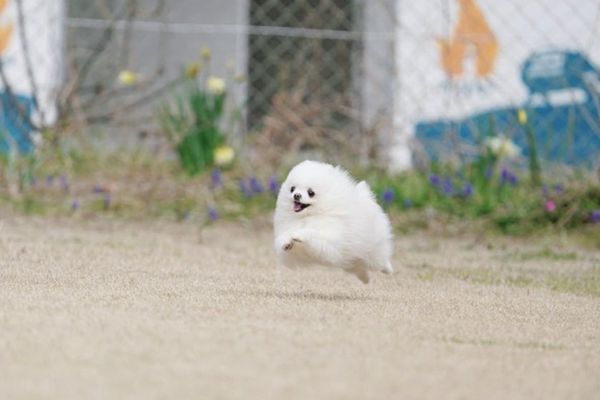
point(586, 282)
point(508, 202)
point(142, 185)
point(494, 342)
point(545, 253)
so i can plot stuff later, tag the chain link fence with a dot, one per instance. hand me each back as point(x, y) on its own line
point(307, 77)
point(303, 62)
point(387, 81)
point(469, 69)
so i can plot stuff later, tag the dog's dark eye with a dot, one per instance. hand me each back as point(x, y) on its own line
point(311, 193)
point(292, 189)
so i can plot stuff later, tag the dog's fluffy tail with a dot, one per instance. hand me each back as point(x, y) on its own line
point(365, 190)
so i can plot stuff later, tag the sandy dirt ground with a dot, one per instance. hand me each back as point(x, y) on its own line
point(107, 310)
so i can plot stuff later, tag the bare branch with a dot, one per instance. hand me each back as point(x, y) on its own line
point(26, 118)
point(144, 99)
point(28, 64)
point(81, 75)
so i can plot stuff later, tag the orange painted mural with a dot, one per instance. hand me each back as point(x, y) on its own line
point(471, 37)
point(6, 28)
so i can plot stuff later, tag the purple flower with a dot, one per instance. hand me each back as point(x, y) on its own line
point(407, 203)
point(75, 205)
point(215, 178)
point(434, 180)
point(508, 177)
point(255, 185)
point(545, 190)
point(64, 183)
point(49, 180)
point(388, 195)
point(504, 175)
point(468, 189)
point(595, 216)
point(98, 189)
point(273, 185)
point(558, 188)
point(244, 189)
point(213, 215)
point(447, 187)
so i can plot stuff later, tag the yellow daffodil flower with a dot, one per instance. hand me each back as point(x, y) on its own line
point(205, 53)
point(215, 85)
point(191, 71)
point(128, 78)
point(224, 156)
point(522, 116)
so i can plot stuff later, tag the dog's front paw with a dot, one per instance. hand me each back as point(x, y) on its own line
point(290, 243)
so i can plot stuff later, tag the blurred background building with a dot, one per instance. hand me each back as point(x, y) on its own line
point(378, 73)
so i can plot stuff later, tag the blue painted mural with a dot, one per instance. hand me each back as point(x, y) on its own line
point(568, 132)
point(15, 122)
point(15, 110)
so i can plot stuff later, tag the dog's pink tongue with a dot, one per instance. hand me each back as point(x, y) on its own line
point(297, 206)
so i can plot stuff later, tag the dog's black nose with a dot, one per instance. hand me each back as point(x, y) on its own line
point(297, 196)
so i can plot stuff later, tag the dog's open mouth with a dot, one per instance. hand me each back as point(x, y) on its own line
point(299, 206)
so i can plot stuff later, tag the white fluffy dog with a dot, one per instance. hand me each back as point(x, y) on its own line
point(324, 217)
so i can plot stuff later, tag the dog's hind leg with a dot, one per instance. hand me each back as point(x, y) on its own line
point(388, 269)
point(361, 272)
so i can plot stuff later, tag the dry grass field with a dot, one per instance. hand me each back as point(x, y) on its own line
point(115, 310)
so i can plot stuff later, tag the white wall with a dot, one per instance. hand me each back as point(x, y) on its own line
point(44, 39)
